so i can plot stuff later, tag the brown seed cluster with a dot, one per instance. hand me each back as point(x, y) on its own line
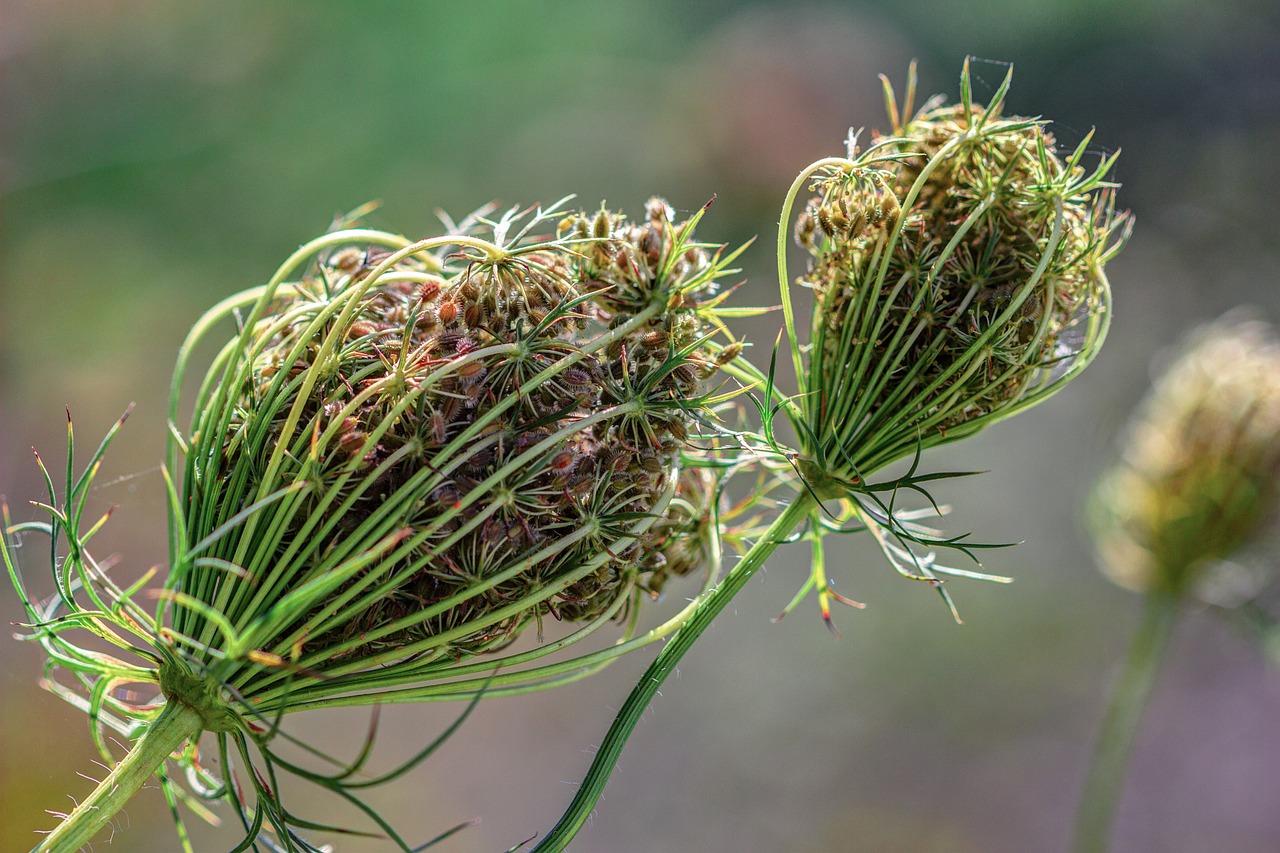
point(517, 415)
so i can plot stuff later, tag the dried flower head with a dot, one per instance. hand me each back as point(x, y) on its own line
point(957, 273)
point(1198, 477)
point(407, 453)
point(465, 422)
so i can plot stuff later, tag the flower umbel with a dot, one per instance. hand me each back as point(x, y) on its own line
point(449, 455)
point(957, 270)
point(407, 453)
point(957, 276)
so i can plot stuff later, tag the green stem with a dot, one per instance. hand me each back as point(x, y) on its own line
point(584, 802)
point(1128, 702)
point(174, 725)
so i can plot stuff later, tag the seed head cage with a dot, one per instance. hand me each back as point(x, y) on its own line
point(405, 454)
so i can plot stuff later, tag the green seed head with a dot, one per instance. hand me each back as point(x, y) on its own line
point(1199, 471)
point(957, 272)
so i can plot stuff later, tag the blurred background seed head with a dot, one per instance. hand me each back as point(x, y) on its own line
point(155, 157)
point(1198, 477)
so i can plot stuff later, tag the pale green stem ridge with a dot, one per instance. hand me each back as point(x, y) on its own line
point(714, 601)
point(1128, 702)
point(171, 728)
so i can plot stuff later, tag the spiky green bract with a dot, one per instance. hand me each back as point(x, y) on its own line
point(405, 454)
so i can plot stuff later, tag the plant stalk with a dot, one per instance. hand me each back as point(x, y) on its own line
point(584, 802)
point(174, 725)
point(1129, 698)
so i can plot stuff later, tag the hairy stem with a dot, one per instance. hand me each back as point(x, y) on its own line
point(584, 802)
point(174, 725)
point(1128, 702)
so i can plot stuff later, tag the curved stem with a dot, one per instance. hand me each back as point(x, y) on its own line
point(1128, 702)
point(584, 802)
point(174, 725)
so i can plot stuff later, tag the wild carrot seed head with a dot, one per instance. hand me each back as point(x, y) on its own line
point(1198, 476)
point(448, 482)
point(957, 272)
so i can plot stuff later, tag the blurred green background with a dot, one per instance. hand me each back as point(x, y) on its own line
point(157, 156)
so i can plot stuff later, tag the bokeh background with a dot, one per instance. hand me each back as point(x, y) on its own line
point(157, 156)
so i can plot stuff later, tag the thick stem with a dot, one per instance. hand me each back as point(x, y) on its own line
point(647, 687)
point(175, 724)
point(1128, 702)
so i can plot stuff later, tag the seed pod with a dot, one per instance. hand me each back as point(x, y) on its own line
point(471, 372)
point(650, 243)
point(806, 227)
point(468, 291)
point(729, 353)
point(683, 536)
point(655, 340)
point(658, 211)
point(364, 329)
point(826, 218)
point(602, 225)
point(686, 377)
point(351, 441)
point(348, 260)
point(427, 319)
point(447, 311)
point(563, 463)
point(439, 428)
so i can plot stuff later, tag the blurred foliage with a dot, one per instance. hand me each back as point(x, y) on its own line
point(157, 156)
